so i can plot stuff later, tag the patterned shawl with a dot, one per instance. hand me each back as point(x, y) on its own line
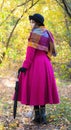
point(42, 39)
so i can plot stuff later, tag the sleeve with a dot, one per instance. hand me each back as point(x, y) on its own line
point(30, 54)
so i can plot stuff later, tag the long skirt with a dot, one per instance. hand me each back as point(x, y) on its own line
point(38, 85)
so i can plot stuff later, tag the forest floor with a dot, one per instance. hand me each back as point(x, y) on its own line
point(58, 116)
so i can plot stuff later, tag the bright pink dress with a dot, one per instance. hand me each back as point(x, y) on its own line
point(38, 85)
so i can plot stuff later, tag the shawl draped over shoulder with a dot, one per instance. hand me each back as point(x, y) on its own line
point(42, 39)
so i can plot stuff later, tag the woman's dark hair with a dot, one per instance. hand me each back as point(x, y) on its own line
point(39, 24)
point(38, 18)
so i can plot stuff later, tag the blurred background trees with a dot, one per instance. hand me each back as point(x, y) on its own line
point(15, 28)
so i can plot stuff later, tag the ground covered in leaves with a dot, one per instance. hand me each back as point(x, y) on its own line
point(58, 116)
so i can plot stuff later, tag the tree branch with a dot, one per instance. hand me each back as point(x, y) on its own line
point(10, 36)
point(17, 23)
point(23, 4)
point(2, 5)
point(34, 3)
point(66, 7)
point(7, 44)
point(59, 3)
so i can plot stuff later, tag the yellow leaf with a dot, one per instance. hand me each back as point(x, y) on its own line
point(2, 127)
point(63, 128)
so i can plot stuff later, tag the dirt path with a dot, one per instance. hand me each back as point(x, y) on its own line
point(21, 122)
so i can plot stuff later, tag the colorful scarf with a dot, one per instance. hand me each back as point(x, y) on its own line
point(42, 39)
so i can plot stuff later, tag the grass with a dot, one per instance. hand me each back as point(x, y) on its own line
point(60, 114)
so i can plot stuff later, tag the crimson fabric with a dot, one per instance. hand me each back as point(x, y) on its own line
point(38, 85)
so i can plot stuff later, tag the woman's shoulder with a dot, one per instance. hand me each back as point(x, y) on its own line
point(40, 31)
point(37, 31)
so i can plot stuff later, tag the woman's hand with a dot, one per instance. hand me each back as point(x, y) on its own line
point(22, 69)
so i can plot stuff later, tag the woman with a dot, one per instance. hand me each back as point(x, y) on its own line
point(37, 85)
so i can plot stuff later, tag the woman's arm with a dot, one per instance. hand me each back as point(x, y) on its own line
point(30, 54)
